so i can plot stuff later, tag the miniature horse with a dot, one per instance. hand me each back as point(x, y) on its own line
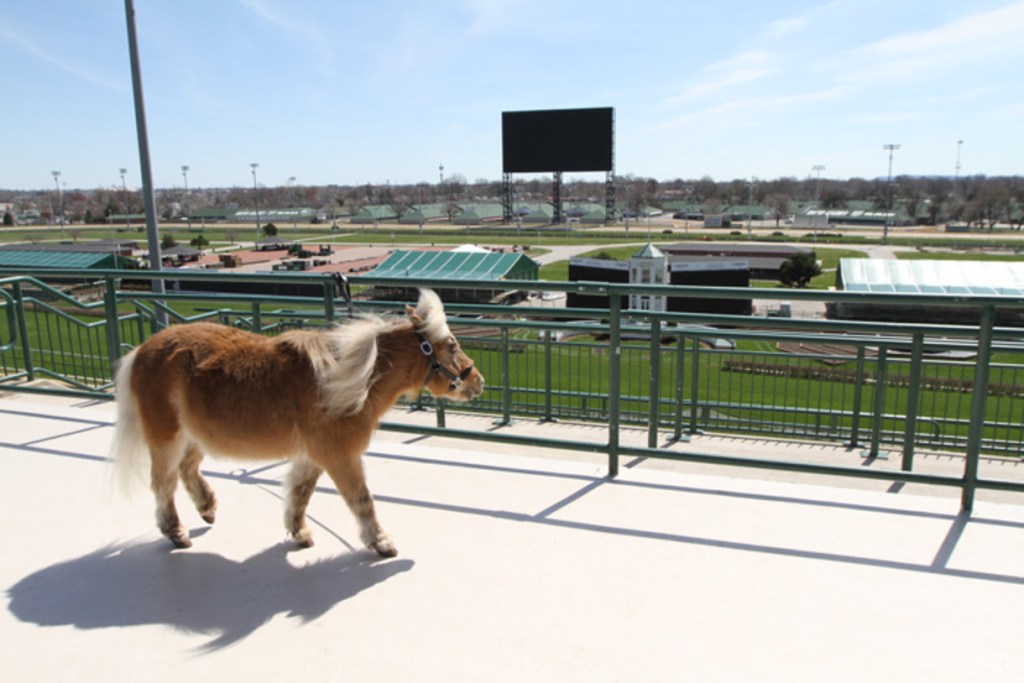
point(314, 397)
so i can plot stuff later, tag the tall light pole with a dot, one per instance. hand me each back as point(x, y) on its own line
point(956, 174)
point(124, 191)
point(145, 167)
point(750, 205)
point(256, 199)
point(293, 201)
point(188, 213)
point(60, 202)
point(888, 189)
point(817, 168)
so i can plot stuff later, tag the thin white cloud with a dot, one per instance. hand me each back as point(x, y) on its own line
point(489, 16)
point(915, 54)
point(1011, 113)
point(886, 117)
point(745, 112)
point(744, 68)
point(972, 32)
point(35, 51)
point(786, 27)
point(819, 15)
point(306, 33)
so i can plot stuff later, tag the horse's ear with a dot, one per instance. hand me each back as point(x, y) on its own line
point(413, 316)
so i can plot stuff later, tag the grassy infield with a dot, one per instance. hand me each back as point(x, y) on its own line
point(586, 360)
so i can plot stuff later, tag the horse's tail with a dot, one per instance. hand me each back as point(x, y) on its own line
point(128, 450)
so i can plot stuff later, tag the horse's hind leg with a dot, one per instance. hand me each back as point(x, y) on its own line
point(198, 488)
point(300, 484)
point(347, 473)
point(164, 481)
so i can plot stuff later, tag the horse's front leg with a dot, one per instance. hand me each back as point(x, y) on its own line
point(346, 470)
point(301, 483)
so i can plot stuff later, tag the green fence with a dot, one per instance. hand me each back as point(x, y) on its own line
point(875, 386)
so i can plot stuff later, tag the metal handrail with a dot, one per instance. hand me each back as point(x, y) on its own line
point(689, 367)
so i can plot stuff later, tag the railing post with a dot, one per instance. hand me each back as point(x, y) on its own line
point(140, 325)
point(913, 395)
point(548, 417)
point(878, 415)
point(439, 413)
point(506, 382)
point(858, 393)
point(329, 301)
point(614, 378)
point(654, 402)
point(26, 348)
point(257, 317)
point(978, 404)
point(694, 384)
point(113, 326)
point(680, 386)
point(417, 405)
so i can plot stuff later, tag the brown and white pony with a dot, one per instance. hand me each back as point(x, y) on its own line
point(314, 397)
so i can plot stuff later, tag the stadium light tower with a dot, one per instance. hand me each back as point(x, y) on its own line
point(124, 191)
point(956, 174)
point(256, 199)
point(817, 168)
point(888, 189)
point(750, 204)
point(60, 202)
point(188, 213)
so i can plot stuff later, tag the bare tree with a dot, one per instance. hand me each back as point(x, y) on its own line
point(779, 204)
point(704, 189)
point(1016, 217)
point(991, 203)
point(400, 204)
point(937, 194)
point(833, 197)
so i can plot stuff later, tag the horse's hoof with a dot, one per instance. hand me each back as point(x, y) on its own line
point(209, 517)
point(181, 541)
point(304, 539)
point(384, 547)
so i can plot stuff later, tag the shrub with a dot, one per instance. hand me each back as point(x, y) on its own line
point(798, 270)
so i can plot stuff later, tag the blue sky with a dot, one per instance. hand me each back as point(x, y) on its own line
point(336, 91)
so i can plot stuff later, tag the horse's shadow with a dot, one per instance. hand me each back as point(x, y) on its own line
point(134, 585)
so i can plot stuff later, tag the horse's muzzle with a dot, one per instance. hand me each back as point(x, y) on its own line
point(473, 386)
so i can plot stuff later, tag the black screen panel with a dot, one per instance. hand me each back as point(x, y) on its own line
point(552, 140)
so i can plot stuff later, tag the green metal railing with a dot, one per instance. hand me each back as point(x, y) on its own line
point(957, 388)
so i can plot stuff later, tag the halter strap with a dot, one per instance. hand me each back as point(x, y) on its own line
point(454, 380)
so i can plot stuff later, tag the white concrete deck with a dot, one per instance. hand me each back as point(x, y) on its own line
point(512, 567)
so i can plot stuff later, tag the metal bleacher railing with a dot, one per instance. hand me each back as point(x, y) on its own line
point(953, 388)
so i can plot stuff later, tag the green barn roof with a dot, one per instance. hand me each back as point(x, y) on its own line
point(67, 260)
point(450, 265)
point(374, 212)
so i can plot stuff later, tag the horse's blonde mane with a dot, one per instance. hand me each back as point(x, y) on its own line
point(434, 322)
point(345, 358)
point(344, 364)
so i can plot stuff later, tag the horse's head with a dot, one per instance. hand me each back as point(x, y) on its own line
point(452, 373)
